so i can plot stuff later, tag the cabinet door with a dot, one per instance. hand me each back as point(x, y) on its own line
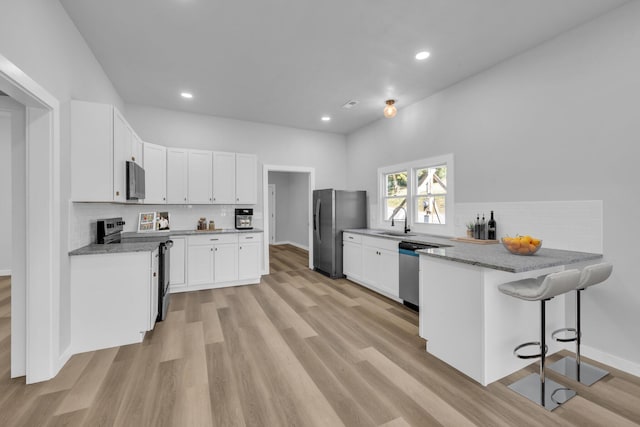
point(91, 152)
point(249, 260)
point(226, 263)
point(155, 169)
point(122, 140)
point(224, 178)
point(136, 149)
point(380, 269)
point(200, 265)
point(200, 177)
point(370, 261)
point(177, 164)
point(154, 291)
point(388, 272)
point(177, 263)
point(352, 260)
point(246, 179)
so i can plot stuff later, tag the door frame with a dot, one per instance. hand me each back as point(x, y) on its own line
point(271, 212)
point(265, 200)
point(41, 306)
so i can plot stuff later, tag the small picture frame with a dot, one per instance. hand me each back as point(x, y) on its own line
point(162, 221)
point(146, 222)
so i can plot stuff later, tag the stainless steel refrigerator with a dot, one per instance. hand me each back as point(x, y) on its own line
point(333, 212)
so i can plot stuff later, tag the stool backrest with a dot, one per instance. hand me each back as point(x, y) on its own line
point(559, 283)
point(594, 274)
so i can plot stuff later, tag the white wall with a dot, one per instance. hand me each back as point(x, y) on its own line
point(39, 38)
point(5, 193)
point(559, 122)
point(292, 207)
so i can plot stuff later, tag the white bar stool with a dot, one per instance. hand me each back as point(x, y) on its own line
point(572, 367)
point(537, 388)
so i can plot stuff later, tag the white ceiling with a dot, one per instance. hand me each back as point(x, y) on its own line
point(288, 62)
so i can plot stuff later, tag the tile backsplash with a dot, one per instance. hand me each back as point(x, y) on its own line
point(572, 225)
point(83, 217)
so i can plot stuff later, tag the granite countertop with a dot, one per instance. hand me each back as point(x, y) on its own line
point(153, 234)
point(147, 242)
point(489, 256)
point(114, 248)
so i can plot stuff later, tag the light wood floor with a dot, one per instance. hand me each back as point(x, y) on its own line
point(296, 350)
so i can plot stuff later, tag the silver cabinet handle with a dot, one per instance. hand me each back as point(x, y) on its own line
point(213, 239)
point(249, 237)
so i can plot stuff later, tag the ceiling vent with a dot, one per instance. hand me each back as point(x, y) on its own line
point(350, 104)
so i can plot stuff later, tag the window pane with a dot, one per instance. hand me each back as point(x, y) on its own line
point(431, 209)
point(395, 205)
point(396, 184)
point(431, 180)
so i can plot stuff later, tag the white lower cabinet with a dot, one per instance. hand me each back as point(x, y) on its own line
point(200, 264)
point(372, 262)
point(352, 260)
point(219, 260)
point(177, 261)
point(225, 263)
point(114, 299)
point(250, 256)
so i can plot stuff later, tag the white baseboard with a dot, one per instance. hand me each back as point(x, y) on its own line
point(5, 272)
point(297, 245)
point(611, 360)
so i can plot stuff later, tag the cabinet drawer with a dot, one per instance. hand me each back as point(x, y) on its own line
point(381, 243)
point(350, 237)
point(250, 237)
point(213, 239)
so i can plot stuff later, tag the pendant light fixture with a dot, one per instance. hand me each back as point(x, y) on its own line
point(390, 110)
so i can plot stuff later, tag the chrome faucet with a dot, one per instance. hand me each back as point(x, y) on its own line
point(406, 229)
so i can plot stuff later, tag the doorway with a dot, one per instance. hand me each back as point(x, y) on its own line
point(272, 214)
point(302, 189)
point(36, 260)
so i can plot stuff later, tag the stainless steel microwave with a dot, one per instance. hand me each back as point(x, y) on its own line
point(135, 181)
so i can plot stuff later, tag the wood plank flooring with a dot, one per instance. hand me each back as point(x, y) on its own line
point(297, 350)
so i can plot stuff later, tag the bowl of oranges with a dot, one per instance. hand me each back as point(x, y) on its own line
point(522, 245)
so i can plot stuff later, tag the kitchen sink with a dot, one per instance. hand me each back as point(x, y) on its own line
point(396, 234)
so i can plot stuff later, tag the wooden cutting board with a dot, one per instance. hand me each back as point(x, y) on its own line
point(476, 241)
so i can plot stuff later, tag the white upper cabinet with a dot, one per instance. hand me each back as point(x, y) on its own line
point(102, 142)
point(177, 175)
point(200, 180)
point(155, 168)
point(136, 153)
point(122, 142)
point(92, 152)
point(224, 178)
point(246, 179)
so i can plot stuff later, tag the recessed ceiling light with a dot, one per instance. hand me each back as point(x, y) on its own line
point(186, 95)
point(326, 118)
point(421, 56)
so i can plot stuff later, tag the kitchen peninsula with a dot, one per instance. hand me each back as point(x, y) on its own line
point(468, 323)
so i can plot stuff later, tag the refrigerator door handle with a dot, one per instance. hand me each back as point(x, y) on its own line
point(317, 220)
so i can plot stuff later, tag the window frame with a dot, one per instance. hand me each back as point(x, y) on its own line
point(411, 167)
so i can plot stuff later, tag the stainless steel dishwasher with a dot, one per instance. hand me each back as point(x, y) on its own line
point(409, 272)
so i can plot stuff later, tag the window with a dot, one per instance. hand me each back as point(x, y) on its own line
point(395, 198)
point(421, 190)
point(430, 194)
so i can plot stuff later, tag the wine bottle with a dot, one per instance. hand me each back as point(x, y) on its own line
point(476, 228)
point(491, 233)
point(483, 228)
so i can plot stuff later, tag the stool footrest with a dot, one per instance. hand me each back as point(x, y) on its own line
point(569, 339)
point(529, 356)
